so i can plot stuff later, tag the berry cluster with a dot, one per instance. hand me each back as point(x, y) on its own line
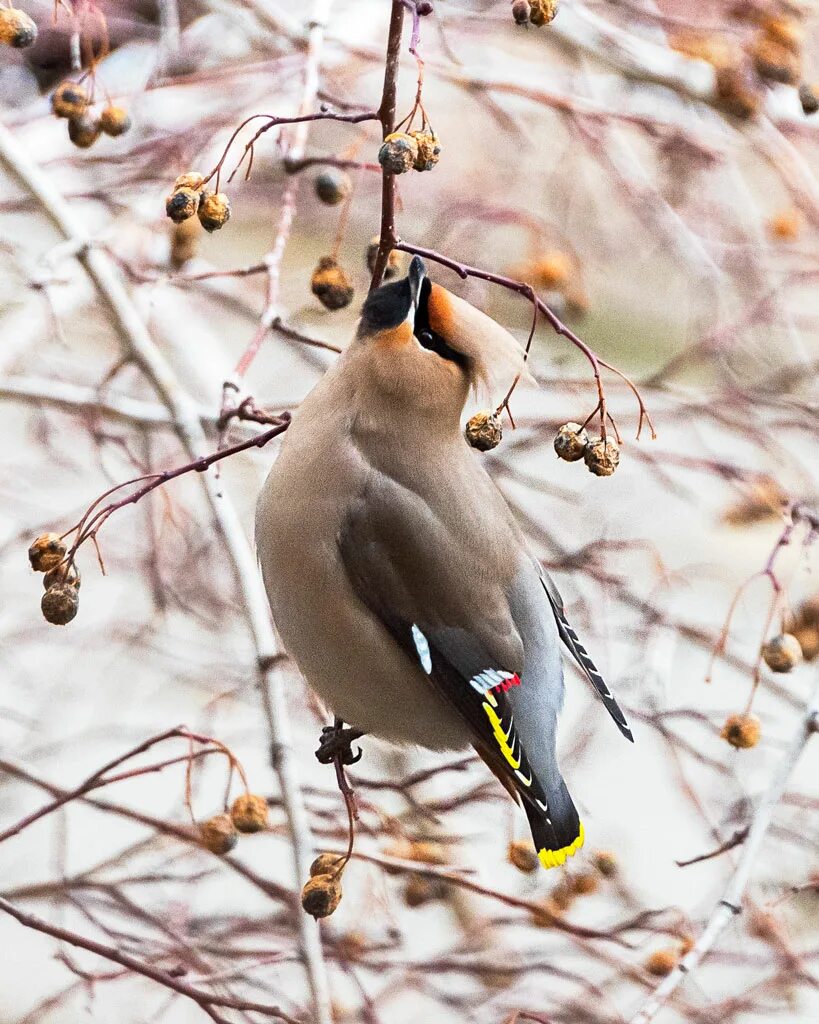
point(189, 197)
point(61, 579)
point(70, 100)
point(220, 833)
point(572, 444)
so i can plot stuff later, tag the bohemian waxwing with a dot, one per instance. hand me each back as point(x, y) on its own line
point(398, 578)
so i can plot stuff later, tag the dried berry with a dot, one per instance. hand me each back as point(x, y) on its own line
point(662, 962)
point(571, 442)
point(332, 186)
point(785, 31)
point(249, 813)
point(583, 883)
point(786, 224)
point(60, 604)
point(182, 203)
point(553, 269)
point(804, 625)
point(190, 179)
point(327, 864)
point(398, 153)
point(520, 11)
point(218, 834)
point(808, 99)
point(330, 284)
point(321, 895)
point(602, 457)
point(214, 210)
point(46, 552)
point(65, 573)
point(738, 91)
point(424, 7)
point(782, 653)
point(69, 99)
point(741, 731)
point(84, 130)
point(114, 120)
point(394, 260)
point(542, 11)
point(775, 62)
point(184, 241)
point(484, 431)
point(523, 855)
point(16, 28)
point(420, 889)
point(605, 862)
point(429, 150)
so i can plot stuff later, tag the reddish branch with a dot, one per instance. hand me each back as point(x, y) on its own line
point(206, 1000)
point(94, 517)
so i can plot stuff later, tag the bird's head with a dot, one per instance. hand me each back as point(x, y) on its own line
point(426, 348)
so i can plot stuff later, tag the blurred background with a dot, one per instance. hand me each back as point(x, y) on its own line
point(651, 169)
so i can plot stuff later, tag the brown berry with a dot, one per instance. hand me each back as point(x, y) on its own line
point(605, 862)
point(249, 813)
point(808, 99)
point(662, 962)
point(785, 31)
point(602, 457)
point(333, 186)
point(782, 653)
point(327, 864)
point(46, 552)
point(738, 91)
point(395, 259)
point(321, 895)
point(69, 99)
point(520, 11)
point(84, 130)
point(64, 573)
point(214, 210)
point(523, 855)
point(553, 269)
point(571, 442)
point(804, 625)
point(114, 120)
point(429, 150)
point(16, 28)
point(218, 834)
point(330, 284)
point(775, 62)
point(542, 11)
point(184, 241)
point(484, 431)
point(420, 889)
point(182, 203)
point(583, 883)
point(786, 224)
point(398, 153)
point(60, 604)
point(190, 179)
point(741, 731)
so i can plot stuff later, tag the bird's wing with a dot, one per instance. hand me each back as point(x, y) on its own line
point(580, 655)
point(449, 611)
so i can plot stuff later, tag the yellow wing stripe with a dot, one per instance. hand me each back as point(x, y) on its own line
point(554, 858)
point(501, 737)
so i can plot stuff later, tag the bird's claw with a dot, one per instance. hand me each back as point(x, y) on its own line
point(337, 743)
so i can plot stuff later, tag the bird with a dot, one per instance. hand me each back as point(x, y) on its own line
point(398, 579)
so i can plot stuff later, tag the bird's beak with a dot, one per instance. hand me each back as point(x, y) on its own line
point(416, 274)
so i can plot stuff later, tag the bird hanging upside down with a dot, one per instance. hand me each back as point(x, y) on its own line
point(398, 578)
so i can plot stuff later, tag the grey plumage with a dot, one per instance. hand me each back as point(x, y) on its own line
point(378, 526)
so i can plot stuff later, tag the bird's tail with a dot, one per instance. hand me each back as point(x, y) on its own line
point(557, 830)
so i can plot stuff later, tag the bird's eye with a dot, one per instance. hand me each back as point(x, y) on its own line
point(425, 337)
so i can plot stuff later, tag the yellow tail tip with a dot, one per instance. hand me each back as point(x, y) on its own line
point(555, 858)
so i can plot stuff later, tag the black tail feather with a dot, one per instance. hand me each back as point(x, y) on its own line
point(557, 830)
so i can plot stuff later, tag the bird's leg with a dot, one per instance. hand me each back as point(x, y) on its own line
point(336, 742)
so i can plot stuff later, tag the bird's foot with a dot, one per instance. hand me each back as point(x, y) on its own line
point(336, 742)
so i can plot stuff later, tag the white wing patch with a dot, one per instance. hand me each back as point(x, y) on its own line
point(422, 647)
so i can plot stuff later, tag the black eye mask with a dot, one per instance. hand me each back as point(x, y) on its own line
point(427, 337)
